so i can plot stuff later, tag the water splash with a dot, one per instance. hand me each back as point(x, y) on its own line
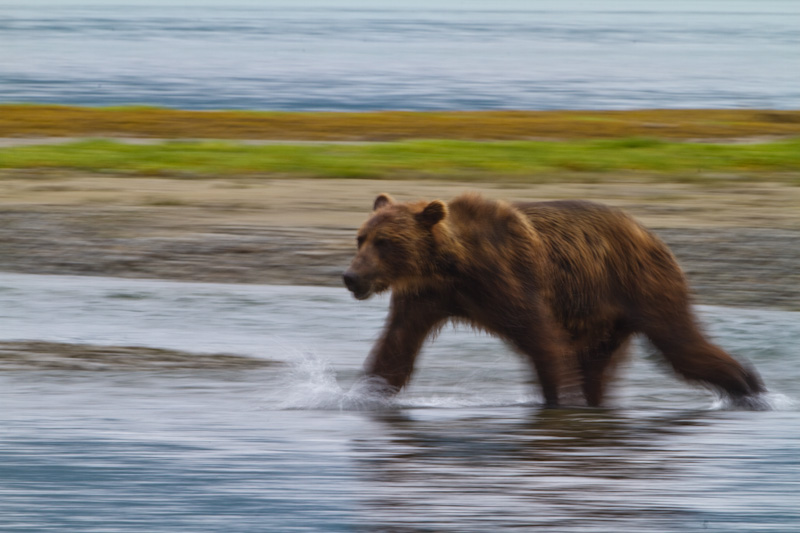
point(311, 384)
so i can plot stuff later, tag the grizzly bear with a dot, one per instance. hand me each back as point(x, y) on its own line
point(566, 283)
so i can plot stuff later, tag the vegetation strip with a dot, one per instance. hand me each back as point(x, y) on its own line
point(440, 159)
point(66, 121)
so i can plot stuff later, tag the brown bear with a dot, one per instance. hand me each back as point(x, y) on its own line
point(566, 283)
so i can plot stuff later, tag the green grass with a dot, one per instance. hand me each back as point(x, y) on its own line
point(435, 159)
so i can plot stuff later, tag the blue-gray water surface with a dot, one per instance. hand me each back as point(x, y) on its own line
point(433, 54)
point(303, 446)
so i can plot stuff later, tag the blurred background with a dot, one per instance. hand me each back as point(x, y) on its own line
point(180, 186)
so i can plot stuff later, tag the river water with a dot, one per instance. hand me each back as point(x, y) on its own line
point(118, 444)
point(431, 54)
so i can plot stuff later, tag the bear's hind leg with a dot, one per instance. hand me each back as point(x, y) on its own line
point(679, 339)
point(596, 364)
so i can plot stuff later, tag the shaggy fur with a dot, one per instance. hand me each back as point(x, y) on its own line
point(565, 283)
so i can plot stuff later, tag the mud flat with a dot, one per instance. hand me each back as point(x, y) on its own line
point(31, 355)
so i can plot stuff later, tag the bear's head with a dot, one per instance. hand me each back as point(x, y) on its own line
point(396, 246)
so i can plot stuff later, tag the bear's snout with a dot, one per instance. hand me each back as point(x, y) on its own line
point(350, 280)
point(356, 285)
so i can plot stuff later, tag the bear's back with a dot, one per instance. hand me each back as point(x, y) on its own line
point(599, 260)
point(596, 235)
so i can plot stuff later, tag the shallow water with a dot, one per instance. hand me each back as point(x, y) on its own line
point(302, 447)
point(433, 54)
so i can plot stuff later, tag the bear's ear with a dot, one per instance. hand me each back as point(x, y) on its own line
point(433, 213)
point(382, 200)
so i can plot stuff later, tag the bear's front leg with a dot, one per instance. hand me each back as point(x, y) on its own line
point(410, 321)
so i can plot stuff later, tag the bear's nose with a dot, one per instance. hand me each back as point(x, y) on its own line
point(350, 280)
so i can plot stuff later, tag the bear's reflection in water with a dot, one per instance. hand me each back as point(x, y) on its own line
point(574, 470)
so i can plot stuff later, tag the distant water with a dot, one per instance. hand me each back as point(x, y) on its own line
point(302, 447)
point(436, 54)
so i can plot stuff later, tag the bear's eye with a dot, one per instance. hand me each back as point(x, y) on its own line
point(360, 240)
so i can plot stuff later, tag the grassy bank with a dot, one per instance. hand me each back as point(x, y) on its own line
point(66, 121)
point(440, 159)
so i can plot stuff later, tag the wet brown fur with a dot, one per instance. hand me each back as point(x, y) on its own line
point(566, 283)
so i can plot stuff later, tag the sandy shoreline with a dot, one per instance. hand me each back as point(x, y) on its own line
point(737, 244)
